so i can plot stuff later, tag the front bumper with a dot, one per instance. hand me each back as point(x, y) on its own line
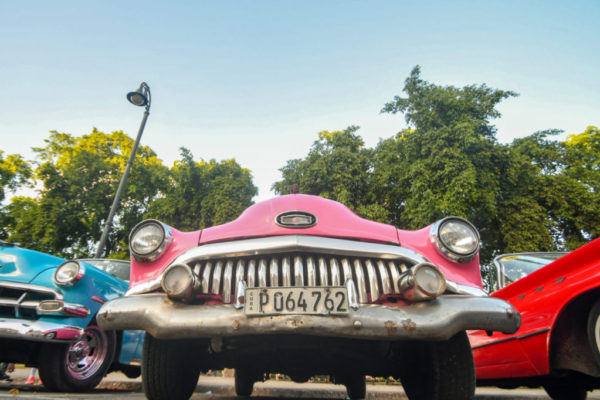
point(437, 319)
point(38, 331)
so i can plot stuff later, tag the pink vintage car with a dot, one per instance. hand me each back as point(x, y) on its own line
point(302, 286)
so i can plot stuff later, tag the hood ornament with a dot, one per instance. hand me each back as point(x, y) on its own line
point(296, 219)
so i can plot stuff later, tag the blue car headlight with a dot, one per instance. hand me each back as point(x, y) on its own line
point(68, 273)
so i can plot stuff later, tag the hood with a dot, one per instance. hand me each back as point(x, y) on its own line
point(23, 265)
point(333, 219)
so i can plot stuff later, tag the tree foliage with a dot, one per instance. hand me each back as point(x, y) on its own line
point(338, 167)
point(202, 194)
point(533, 194)
point(79, 177)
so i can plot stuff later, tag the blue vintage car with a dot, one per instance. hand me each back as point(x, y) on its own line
point(48, 309)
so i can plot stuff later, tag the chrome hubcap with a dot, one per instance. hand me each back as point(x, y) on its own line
point(87, 355)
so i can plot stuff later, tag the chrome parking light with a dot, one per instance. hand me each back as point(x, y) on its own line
point(422, 282)
point(179, 281)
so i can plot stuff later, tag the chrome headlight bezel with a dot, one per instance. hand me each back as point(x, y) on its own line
point(446, 249)
point(155, 252)
point(72, 277)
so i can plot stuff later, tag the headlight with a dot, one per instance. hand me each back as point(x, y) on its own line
point(456, 238)
point(179, 281)
point(149, 239)
point(68, 273)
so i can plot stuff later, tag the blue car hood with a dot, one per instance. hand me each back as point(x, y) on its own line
point(23, 265)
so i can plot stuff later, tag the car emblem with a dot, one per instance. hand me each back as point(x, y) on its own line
point(296, 219)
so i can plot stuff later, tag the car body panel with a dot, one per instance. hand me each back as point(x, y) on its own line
point(334, 220)
point(27, 267)
point(540, 297)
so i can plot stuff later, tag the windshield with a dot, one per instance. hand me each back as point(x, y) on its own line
point(516, 266)
point(117, 268)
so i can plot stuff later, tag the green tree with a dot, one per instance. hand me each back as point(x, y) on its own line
point(203, 194)
point(80, 176)
point(14, 173)
point(447, 162)
point(338, 167)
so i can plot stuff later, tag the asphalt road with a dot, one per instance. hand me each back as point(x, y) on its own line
point(117, 386)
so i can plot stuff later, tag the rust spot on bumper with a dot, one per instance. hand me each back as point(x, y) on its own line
point(409, 325)
point(391, 327)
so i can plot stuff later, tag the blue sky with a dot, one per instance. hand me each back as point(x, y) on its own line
point(256, 80)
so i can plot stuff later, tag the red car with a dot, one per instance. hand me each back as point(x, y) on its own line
point(303, 286)
point(558, 344)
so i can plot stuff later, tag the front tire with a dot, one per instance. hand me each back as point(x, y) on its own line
point(244, 382)
point(593, 331)
point(79, 366)
point(356, 387)
point(170, 368)
point(565, 392)
point(440, 370)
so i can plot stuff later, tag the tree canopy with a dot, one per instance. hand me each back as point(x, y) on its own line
point(79, 178)
point(533, 194)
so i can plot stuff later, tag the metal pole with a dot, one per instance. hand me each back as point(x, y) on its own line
point(117, 198)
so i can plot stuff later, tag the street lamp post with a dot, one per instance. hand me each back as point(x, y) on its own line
point(141, 97)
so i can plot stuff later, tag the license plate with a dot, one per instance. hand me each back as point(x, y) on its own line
point(297, 300)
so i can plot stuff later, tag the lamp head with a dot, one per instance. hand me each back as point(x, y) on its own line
point(139, 97)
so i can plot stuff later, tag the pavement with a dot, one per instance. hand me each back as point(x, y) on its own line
point(216, 387)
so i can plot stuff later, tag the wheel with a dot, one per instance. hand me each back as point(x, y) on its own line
point(244, 382)
point(593, 330)
point(170, 368)
point(356, 386)
point(565, 392)
point(440, 370)
point(79, 366)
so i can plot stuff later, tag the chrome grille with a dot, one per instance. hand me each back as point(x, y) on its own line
point(21, 299)
point(372, 277)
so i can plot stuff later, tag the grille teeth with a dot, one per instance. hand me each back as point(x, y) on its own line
point(22, 299)
point(372, 277)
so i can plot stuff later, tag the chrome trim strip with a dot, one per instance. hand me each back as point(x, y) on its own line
point(251, 273)
point(437, 319)
point(291, 243)
point(216, 285)
point(298, 271)
point(206, 277)
point(360, 280)
point(459, 288)
point(323, 278)
point(286, 244)
point(311, 271)
point(373, 284)
point(32, 288)
point(287, 272)
point(395, 276)
point(385, 277)
point(239, 273)
point(274, 272)
point(346, 270)
point(335, 272)
point(38, 331)
point(227, 275)
point(262, 273)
